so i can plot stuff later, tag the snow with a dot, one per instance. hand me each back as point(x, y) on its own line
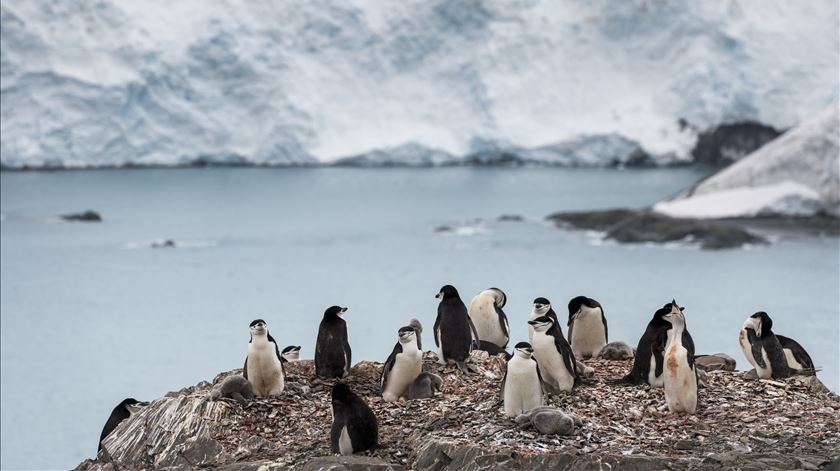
point(296, 82)
point(796, 174)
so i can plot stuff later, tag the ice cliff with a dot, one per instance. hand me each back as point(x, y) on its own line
point(120, 82)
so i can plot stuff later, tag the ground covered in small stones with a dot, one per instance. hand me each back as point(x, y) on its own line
point(735, 416)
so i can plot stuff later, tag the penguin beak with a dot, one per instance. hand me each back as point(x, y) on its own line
point(529, 350)
point(533, 322)
point(439, 295)
point(343, 310)
point(538, 306)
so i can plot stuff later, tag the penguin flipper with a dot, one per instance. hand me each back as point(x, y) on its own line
point(245, 369)
point(389, 364)
point(503, 323)
point(657, 349)
point(755, 346)
point(606, 331)
point(475, 343)
point(799, 353)
point(436, 329)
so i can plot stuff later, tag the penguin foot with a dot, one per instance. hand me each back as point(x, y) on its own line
point(463, 367)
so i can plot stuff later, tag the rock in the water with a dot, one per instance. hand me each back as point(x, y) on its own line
point(511, 218)
point(715, 362)
point(162, 244)
point(617, 351)
point(87, 216)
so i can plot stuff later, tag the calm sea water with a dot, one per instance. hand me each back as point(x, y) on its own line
point(90, 315)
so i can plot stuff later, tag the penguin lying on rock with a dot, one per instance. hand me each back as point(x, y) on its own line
point(549, 420)
point(234, 387)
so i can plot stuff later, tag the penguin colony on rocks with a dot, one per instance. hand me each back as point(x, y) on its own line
point(546, 364)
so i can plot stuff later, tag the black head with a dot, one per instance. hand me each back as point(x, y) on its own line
point(341, 393)
point(334, 311)
point(447, 292)
point(578, 301)
point(522, 345)
point(256, 322)
point(259, 327)
point(542, 305)
point(761, 323)
point(132, 405)
point(291, 348)
point(542, 323)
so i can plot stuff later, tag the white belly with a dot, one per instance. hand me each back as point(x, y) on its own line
point(588, 334)
point(680, 381)
point(345, 446)
point(487, 324)
point(265, 372)
point(653, 380)
point(407, 367)
point(764, 373)
point(791, 361)
point(552, 366)
point(523, 391)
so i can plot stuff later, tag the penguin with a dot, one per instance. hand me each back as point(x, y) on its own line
point(332, 350)
point(402, 367)
point(354, 426)
point(491, 323)
point(424, 386)
point(418, 329)
point(522, 386)
point(648, 364)
point(797, 358)
point(587, 327)
point(124, 410)
point(290, 353)
point(541, 307)
point(766, 351)
point(234, 387)
point(554, 355)
point(455, 334)
point(264, 365)
point(679, 377)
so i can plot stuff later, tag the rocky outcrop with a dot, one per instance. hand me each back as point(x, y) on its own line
point(728, 143)
point(758, 424)
point(86, 216)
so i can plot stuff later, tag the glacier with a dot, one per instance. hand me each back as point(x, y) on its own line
point(797, 174)
point(415, 82)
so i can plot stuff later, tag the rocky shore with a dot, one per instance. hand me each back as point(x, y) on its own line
point(740, 423)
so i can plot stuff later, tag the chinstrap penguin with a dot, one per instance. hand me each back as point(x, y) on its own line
point(587, 327)
point(554, 355)
point(402, 367)
point(424, 386)
point(680, 376)
point(234, 387)
point(263, 365)
point(354, 426)
point(290, 353)
point(541, 307)
point(772, 356)
point(455, 334)
point(522, 385)
point(332, 349)
point(649, 363)
point(418, 329)
point(491, 323)
point(124, 410)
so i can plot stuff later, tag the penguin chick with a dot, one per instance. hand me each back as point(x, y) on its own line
point(424, 386)
point(234, 387)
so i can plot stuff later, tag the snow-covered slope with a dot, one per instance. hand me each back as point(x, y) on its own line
point(796, 174)
point(159, 82)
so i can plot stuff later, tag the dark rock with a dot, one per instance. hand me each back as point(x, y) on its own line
point(168, 243)
point(87, 216)
point(685, 445)
point(729, 142)
point(642, 225)
point(617, 351)
point(511, 218)
point(444, 228)
point(715, 362)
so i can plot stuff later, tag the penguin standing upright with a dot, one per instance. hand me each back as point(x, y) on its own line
point(402, 367)
point(680, 377)
point(649, 363)
point(587, 327)
point(553, 355)
point(264, 365)
point(332, 349)
point(354, 426)
point(522, 386)
point(455, 334)
point(541, 307)
point(124, 410)
point(772, 356)
point(491, 323)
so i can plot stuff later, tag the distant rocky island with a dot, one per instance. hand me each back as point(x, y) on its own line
point(740, 424)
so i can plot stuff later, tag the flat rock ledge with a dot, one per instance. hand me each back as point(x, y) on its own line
point(740, 424)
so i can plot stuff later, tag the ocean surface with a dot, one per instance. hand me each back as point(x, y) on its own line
point(91, 314)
